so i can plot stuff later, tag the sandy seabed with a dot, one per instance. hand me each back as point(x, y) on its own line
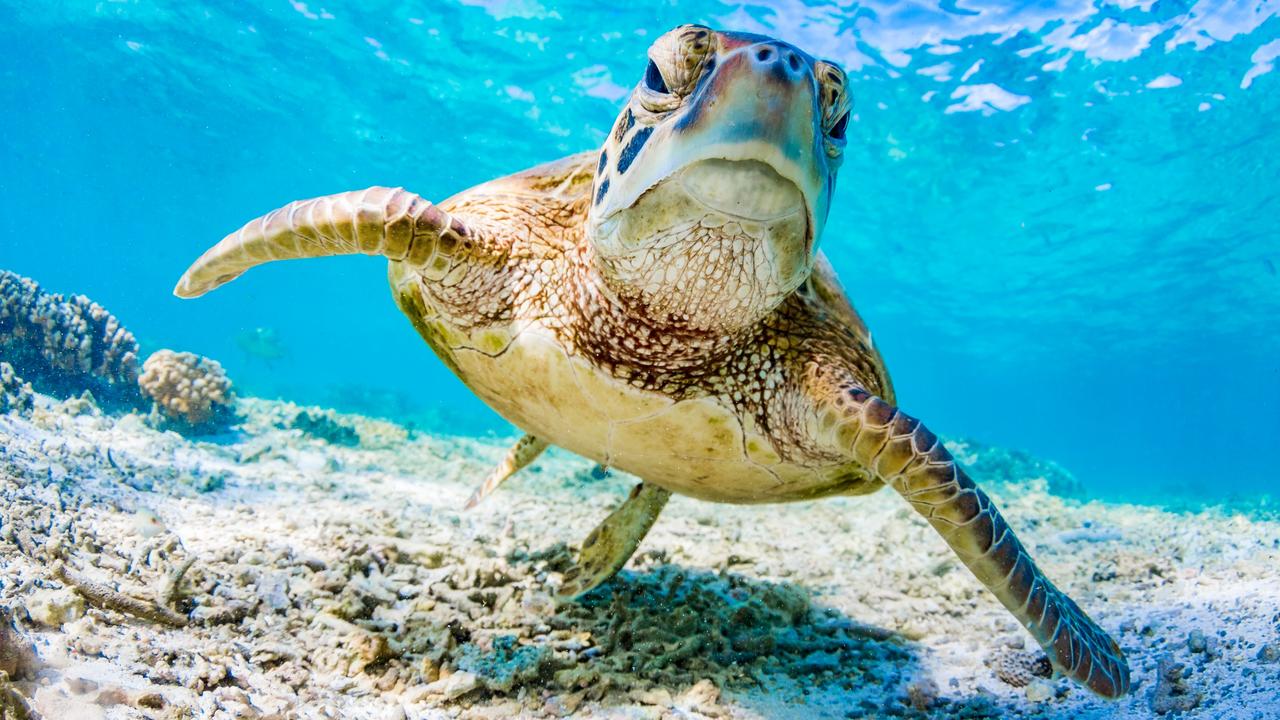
point(315, 565)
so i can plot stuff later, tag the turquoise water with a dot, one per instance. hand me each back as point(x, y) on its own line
point(1059, 219)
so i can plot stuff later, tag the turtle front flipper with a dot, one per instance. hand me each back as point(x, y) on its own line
point(903, 453)
point(526, 450)
point(614, 540)
point(378, 221)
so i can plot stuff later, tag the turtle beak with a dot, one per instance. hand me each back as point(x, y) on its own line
point(758, 106)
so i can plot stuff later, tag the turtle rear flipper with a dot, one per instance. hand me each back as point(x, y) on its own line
point(903, 453)
point(526, 450)
point(614, 540)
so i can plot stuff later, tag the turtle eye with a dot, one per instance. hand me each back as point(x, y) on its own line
point(653, 79)
point(677, 60)
point(834, 99)
point(837, 131)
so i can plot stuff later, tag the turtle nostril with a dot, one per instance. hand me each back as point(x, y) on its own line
point(782, 61)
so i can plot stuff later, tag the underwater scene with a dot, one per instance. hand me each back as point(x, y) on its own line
point(499, 359)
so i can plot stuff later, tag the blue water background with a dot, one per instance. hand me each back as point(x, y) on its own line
point(1060, 219)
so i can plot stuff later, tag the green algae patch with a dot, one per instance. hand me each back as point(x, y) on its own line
point(507, 664)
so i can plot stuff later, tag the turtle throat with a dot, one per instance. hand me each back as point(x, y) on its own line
point(713, 247)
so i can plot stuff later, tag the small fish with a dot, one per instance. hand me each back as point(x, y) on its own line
point(147, 523)
point(1271, 267)
point(262, 343)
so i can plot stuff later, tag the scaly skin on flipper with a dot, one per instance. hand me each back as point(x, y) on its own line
point(614, 540)
point(378, 221)
point(660, 306)
point(526, 450)
point(902, 452)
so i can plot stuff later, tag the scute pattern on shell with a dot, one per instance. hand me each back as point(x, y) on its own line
point(66, 345)
point(622, 335)
point(191, 391)
point(15, 393)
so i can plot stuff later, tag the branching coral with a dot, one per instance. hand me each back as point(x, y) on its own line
point(189, 390)
point(65, 345)
point(15, 393)
point(1001, 465)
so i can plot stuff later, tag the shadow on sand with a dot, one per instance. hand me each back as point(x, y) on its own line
point(766, 645)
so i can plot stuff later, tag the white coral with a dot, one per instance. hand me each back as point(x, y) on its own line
point(187, 388)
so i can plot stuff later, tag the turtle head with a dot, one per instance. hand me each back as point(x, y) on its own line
point(713, 187)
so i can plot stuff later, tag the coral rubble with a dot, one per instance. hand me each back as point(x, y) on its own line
point(1019, 668)
point(1171, 693)
point(190, 391)
point(274, 575)
point(65, 345)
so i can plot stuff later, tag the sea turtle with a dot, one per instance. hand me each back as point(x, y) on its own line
point(660, 306)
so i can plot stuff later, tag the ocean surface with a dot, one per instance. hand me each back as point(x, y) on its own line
point(1060, 219)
